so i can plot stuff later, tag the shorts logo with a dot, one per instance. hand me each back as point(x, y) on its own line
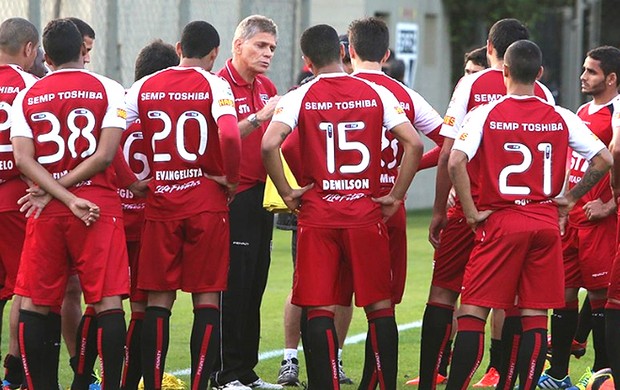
point(449, 120)
point(463, 136)
point(121, 113)
point(226, 102)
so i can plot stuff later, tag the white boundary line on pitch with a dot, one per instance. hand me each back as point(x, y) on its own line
point(355, 339)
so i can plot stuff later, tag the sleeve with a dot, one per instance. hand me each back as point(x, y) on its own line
point(426, 117)
point(548, 95)
point(288, 108)
point(469, 136)
point(223, 98)
point(19, 125)
point(580, 137)
point(131, 102)
point(615, 117)
point(393, 113)
point(116, 113)
point(457, 109)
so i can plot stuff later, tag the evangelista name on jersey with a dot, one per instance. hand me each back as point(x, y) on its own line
point(350, 105)
point(493, 125)
point(178, 174)
point(174, 95)
point(48, 97)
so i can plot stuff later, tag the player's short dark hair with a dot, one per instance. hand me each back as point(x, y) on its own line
point(609, 60)
point(477, 56)
point(524, 60)
point(395, 69)
point(62, 41)
point(198, 39)
point(344, 41)
point(85, 29)
point(155, 56)
point(504, 32)
point(320, 45)
point(370, 38)
point(15, 33)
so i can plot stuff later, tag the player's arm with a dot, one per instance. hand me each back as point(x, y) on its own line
point(614, 148)
point(231, 143)
point(442, 191)
point(263, 115)
point(431, 158)
point(270, 148)
point(23, 151)
point(598, 167)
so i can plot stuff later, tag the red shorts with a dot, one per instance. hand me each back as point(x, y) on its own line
point(133, 251)
point(515, 255)
point(13, 229)
point(397, 231)
point(53, 244)
point(589, 254)
point(190, 254)
point(457, 242)
point(334, 263)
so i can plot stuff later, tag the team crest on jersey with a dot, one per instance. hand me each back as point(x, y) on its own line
point(121, 113)
point(264, 97)
point(278, 110)
point(226, 102)
point(448, 120)
point(463, 136)
point(399, 110)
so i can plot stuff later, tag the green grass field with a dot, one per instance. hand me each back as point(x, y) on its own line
point(408, 313)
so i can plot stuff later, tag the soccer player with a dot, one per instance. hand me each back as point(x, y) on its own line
point(19, 45)
point(369, 50)
point(153, 57)
point(589, 244)
point(341, 236)
point(521, 144)
point(251, 226)
point(187, 116)
point(449, 234)
point(475, 60)
point(66, 131)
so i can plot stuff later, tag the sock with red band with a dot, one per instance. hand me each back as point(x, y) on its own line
point(323, 345)
point(32, 336)
point(511, 338)
point(467, 353)
point(532, 351)
point(83, 362)
point(132, 370)
point(436, 329)
point(384, 341)
point(155, 339)
point(52, 348)
point(204, 344)
point(111, 346)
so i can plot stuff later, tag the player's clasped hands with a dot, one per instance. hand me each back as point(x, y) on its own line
point(85, 210)
point(34, 201)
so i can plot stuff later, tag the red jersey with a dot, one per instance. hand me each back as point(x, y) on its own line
point(12, 80)
point(522, 144)
point(178, 109)
point(249, 99)
point(134, 152)
point(423, 117)
point(598, 119)
point(64, 113)
point(340, 121)
point(473, 90)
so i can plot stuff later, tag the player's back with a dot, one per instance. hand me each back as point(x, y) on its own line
point(66, 112)
point(178, 108)
point(340, 129)
point(12, 80)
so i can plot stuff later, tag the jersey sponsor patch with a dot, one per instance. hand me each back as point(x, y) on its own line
point(463, 136)
point(278, 110)
point(399, 109)
point(226, 102)
point(449, 120)
point(121, 113)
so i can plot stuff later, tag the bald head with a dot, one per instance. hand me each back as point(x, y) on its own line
point(15, 33)
point(524, 61)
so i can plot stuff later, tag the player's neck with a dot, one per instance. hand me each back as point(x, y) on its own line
point(520, 89)
point(496, 63)
point(604, 97)
point(359, 65)
point(70, 65)
point(334, 67)
point(196, 63)
point(6, 59)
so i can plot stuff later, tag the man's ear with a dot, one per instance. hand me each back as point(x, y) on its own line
point(541, 71)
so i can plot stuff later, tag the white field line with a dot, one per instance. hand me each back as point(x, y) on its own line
point(355, 339)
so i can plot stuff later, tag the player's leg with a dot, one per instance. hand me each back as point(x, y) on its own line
point(156, 337)
point(598, 298)
point(511, 338)
point(205, 338)
point(12, 362)
point(533, 348)
point(33, 341)
point(85, 357)
point(491, 376)
point(343, 316)
point(71, 313)
point(612, 318)
point(289, 369)
point(584, 327)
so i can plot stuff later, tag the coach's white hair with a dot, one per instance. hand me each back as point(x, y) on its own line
point(252, 25)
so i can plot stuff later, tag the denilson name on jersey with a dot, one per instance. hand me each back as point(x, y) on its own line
point(347, 105)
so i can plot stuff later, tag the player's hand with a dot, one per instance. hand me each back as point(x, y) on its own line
point(293, 200)
point(474, 220)
point(389, 205)
point(140, 187)
point(85, 210)
point(229, 188)
point(266, 113)
point(438, 223)
point(33, 203)
point(597, 209)
point(564, 206)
